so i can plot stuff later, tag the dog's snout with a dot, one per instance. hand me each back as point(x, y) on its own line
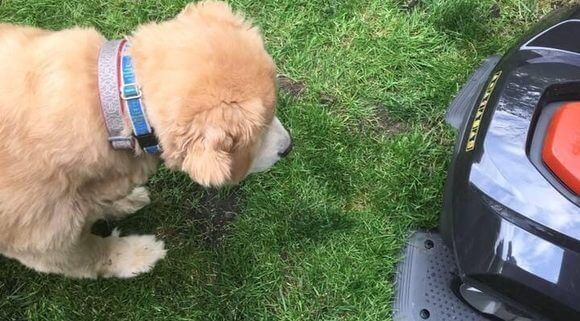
point(287, 150)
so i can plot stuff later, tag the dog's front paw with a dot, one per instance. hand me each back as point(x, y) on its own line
point(132, 255)
point(139, 198)
point(133, 202)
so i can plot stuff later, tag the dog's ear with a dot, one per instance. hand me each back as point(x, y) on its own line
point(209, 11)
point(208, 8)
point(208, 159)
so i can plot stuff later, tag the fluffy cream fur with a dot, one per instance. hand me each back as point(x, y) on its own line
point(209, 89)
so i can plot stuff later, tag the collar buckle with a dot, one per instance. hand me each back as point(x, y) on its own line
point(147, 140)
point(130, 91)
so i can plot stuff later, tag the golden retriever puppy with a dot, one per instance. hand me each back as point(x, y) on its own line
point(207, 89)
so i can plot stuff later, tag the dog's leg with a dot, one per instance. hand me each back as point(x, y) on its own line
point(130, 204)
point(93, 256)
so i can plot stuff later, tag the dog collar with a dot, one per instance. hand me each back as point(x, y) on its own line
point(120, 94)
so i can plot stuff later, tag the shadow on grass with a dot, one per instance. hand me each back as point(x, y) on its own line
point(312, 227)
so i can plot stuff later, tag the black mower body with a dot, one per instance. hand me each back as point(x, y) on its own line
point(513, 226)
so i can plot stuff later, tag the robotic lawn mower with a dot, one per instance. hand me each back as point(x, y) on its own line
point(508, 246)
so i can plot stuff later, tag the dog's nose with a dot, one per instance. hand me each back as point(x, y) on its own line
point(287, 150)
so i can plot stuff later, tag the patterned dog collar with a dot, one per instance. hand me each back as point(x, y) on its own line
point(119, 94)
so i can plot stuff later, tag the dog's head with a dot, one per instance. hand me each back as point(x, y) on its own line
point(210, 91)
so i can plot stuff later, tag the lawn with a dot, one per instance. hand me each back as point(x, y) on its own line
point(364, 90)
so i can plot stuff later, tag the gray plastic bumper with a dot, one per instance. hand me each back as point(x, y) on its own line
point(463, 104)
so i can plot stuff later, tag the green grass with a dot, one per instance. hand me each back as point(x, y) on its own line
point(318, 237)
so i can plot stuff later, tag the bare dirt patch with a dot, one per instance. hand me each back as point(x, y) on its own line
point(214, 212)
point(381, 122)
point(294, 88)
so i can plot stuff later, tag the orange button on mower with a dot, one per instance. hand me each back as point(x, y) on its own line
point(562, 145)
